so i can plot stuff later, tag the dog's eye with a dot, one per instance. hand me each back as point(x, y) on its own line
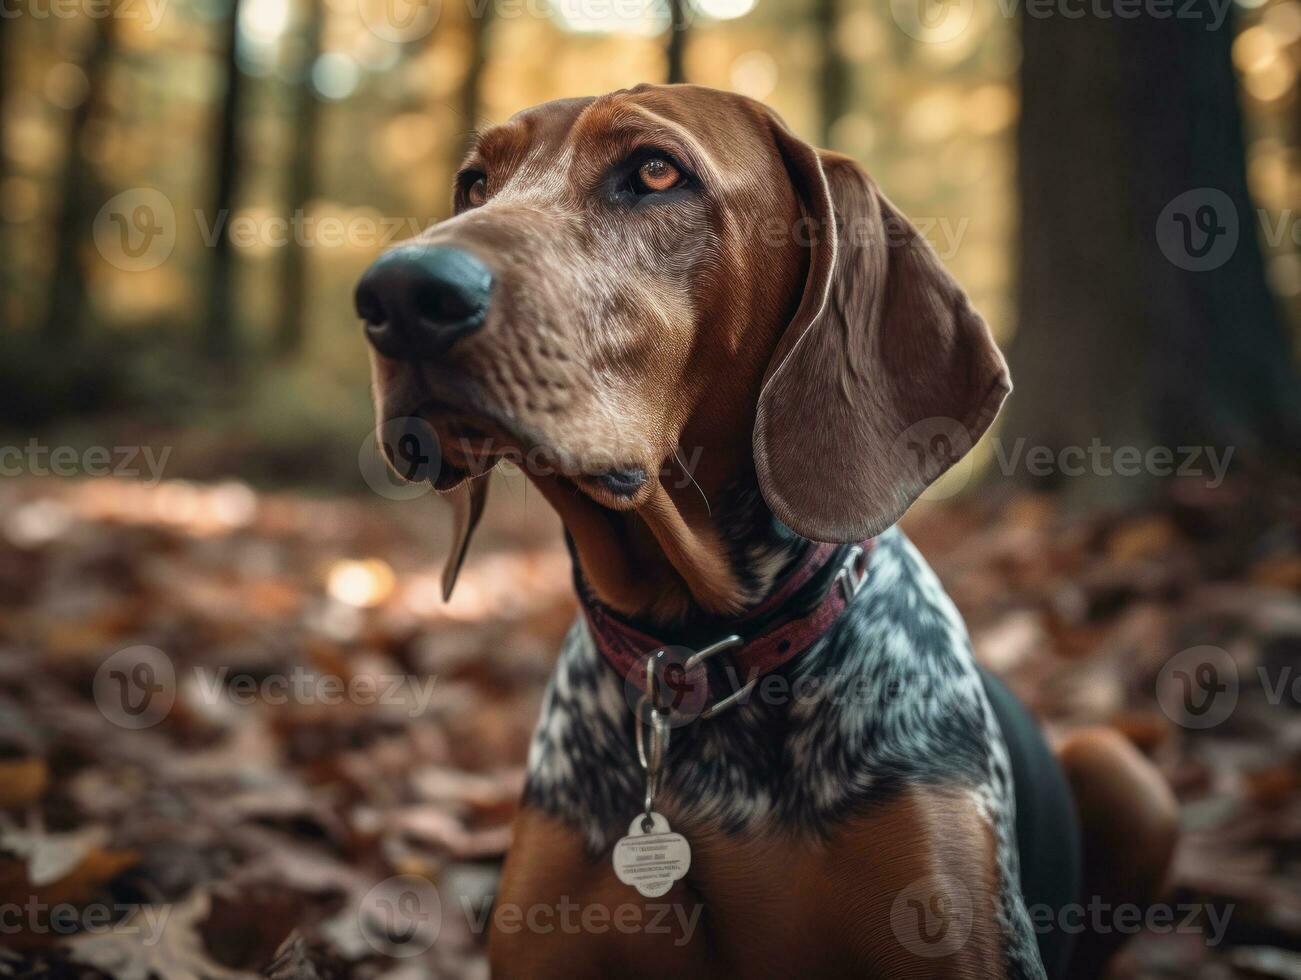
point(657, 174)
point(477, 192)
point(471, 188)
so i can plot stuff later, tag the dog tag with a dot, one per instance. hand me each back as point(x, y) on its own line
point(651, 859)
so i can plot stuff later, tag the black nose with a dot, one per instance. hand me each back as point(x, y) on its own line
point(418, 300)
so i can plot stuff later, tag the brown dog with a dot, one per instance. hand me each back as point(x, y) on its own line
point(667, 272)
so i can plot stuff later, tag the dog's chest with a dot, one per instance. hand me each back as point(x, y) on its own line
point(888, 702)
point(763, 905)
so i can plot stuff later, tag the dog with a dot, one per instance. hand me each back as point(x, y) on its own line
point(768, 712)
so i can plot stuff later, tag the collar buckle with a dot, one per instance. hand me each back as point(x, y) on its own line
point(665, 694)
point(853, 572)
point(742, 692)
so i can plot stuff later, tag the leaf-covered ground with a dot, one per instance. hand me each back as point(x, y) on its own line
point(238, 732)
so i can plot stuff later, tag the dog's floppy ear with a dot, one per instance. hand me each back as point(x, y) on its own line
point(885, 376)
point(467, 500)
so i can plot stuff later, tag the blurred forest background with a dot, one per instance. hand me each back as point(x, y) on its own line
point(189, 190)
point(354, 113)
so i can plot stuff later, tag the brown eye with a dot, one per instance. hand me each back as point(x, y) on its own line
point(478, 192)
point(657, 174)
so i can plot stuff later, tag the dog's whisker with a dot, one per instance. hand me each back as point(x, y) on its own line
point(677, 454)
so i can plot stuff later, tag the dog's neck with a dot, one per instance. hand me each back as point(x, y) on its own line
point(704, 545)
point(698, 550)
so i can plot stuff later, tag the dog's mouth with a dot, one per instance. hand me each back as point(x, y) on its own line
point(620, 488)
point(440, 444)
point(444, 444)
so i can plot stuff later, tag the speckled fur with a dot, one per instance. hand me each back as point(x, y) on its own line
point(889, 698)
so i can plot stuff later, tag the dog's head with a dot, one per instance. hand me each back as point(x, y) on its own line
point(669, 266)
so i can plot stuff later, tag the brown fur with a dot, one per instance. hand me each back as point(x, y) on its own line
point(1130, 823)
point(772, 907)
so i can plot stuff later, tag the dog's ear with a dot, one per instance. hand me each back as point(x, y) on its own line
point(885, 376)
point(467, 500)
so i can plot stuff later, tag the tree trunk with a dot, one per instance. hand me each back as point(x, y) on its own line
point(676, 43)
point(834, 87)
point(1137, 327)
point(292, 318)
point(472, 83)
point(220, 336)
point(66, 305)
point(5, 292)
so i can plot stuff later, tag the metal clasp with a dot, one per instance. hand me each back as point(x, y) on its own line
point(652, 756)
point(853, 572)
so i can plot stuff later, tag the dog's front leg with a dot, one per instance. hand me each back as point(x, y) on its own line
point(916, 885)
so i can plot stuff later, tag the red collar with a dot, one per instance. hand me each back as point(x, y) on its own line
point(763, 639)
